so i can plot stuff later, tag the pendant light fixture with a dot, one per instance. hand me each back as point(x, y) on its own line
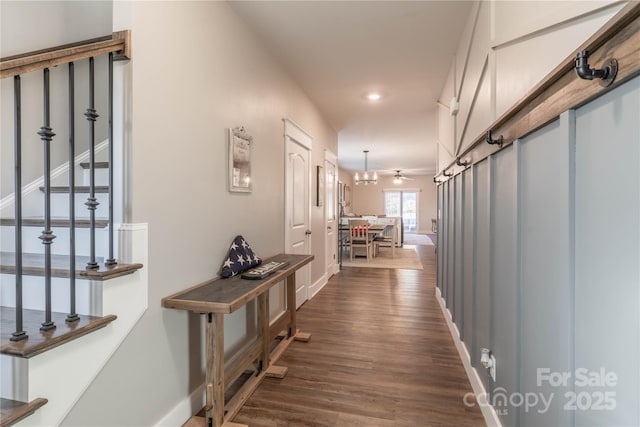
point(366, 179)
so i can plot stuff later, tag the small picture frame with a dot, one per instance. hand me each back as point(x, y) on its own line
point(347, 196)
point(320, 185)
point(240, 144)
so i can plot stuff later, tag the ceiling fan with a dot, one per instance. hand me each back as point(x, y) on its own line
point(398, 177)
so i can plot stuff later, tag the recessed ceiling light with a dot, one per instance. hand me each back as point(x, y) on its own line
point(373, 96)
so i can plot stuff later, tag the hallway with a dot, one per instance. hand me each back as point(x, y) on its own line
point(380, 355)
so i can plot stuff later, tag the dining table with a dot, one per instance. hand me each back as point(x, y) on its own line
point(374, 229)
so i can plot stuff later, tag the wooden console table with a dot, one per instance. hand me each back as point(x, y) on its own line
point(218, 297)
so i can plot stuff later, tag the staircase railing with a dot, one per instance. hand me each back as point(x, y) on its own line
point(19, 333)
point(117, 46)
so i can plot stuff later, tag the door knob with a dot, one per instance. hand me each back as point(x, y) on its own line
point(307, 232)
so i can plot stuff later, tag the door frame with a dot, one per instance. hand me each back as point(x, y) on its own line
point(331, 239)
point(293, 133)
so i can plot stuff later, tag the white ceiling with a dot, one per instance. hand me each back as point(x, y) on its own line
point(338, 51)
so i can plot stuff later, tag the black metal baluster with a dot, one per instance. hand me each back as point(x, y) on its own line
point(91, 202)
point(19, 334)
point(111, 260)
point(47, 236)
point(72, 316)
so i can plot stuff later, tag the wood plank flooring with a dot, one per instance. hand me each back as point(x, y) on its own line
point(380, 355)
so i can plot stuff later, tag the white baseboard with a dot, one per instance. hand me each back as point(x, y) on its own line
point(185, 409)
point(318, 285)
point(489, 414)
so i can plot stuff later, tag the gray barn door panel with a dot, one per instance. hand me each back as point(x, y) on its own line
point(458, 311)
point(504, 276)
point(607, 299)
point(439, 225)
point(451, 245)
point(546, 270)
point(482, 306)
point(466, 332)
point(445, 239)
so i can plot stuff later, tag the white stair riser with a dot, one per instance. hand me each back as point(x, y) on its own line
point(14, 372)
point(60, 205)
point(101, 175)
point(61, 245)
point(88, 294)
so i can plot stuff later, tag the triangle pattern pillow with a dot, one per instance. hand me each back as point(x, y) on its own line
point(239, 259)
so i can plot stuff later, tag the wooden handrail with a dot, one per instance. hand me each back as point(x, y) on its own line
point(562, 89)
point(119, 42)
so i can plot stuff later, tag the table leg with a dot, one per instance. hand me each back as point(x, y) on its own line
point(291, 303)
point(263, 322)
point(215, 369)
point(394, 234)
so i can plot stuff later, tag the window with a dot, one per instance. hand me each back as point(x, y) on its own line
point(392, 203)
point(403, 204)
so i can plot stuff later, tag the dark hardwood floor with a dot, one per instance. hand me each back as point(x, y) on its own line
point(380, 355)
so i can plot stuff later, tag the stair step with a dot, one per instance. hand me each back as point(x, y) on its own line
point(33, 265)
point(79, 189)
point(12, 411)
point(55, 222)
point(97, 165)
point(40, 341)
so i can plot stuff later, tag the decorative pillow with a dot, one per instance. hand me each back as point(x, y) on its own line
point(240, 258)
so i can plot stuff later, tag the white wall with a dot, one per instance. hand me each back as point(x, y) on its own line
point(506, 49)
point(196, 71)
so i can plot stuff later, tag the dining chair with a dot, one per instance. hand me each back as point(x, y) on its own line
point(387, 238)
point(359, 237)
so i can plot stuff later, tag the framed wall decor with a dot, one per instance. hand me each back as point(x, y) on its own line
point(320, 185)
point(347, 196)
point(240, 144)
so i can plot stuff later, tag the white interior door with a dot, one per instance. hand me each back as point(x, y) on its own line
point(331, 199)
point(297, 209)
